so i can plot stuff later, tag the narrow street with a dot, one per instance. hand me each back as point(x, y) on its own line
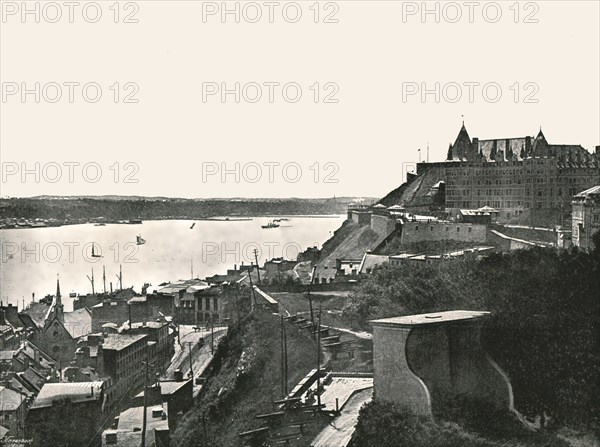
point(198, 344)
point(339, 432)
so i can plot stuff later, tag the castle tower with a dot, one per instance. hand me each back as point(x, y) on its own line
point(540, 145)
point(462, 145)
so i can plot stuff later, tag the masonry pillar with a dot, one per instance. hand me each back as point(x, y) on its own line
point(430, 362)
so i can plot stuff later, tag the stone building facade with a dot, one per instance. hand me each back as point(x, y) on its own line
point(586, 217)
point(514, 175)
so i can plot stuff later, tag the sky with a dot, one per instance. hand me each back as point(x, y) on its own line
point(280, 99)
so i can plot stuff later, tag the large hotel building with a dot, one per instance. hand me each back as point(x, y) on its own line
point(514, 175)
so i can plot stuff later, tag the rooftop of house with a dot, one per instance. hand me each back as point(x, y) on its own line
point(33, 378)
point(129, 430)
point(431, 318)
point(169, 387)
point(11, 399)
point(371, 260)
point(74, 391)
point(118, 342)
point(193, 285)
point(37, 312)
point(6, 355)
point(265, 296)
point(143, 324)
point(78, 323)
point(36, 354)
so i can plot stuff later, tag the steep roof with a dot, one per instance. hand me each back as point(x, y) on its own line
point(37, 312)
point(74, 391)
point(11, 399)
point(462, 144)
point(78, 323)
point(371, 260)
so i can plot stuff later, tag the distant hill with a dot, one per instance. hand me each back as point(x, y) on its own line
point(77, 208)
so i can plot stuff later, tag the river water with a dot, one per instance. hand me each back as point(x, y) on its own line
point(32, 258)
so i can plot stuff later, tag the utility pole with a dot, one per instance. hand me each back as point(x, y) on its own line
point(312, 316)
point(120, 277)
point(191, 363)
point(212, 337)
point(92, 281)
point(20, 412)
point(257, 268)
point(282, 361)
point(104, 277)
point(252, 288)
point(285, 356)
point(192, 266)
point(318, 361)
point(145, 400)
point(204, 430)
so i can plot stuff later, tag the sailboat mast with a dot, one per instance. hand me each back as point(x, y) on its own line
point(120, 277)
point(92, 281)
point(104, 277)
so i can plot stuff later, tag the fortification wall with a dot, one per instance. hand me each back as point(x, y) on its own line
point(382, 225)
point(437, 231)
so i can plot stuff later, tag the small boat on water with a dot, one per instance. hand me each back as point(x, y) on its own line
point(100, 224)
point(193, 225)
point(271, 224)
point(139, 240)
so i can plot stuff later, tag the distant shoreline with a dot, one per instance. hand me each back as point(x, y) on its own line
point(189, 219)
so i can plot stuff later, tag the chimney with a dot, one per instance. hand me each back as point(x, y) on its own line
point(111, 438)
point(33, 297)
point(111, 287)
point(154, 395)
point(36, 353)
point(474, 155)
point(2, 320)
